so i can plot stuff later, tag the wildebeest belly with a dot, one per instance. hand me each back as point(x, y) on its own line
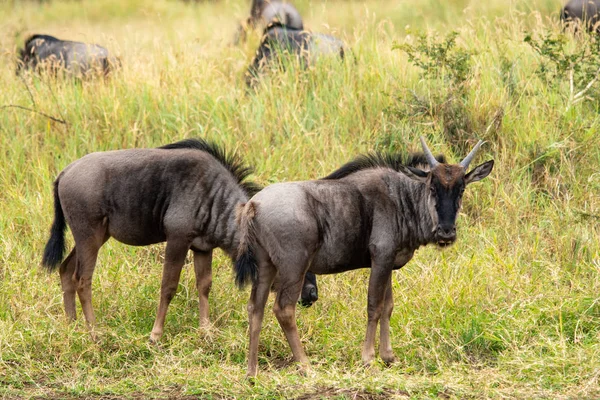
point(136, 214)
point(135, 229)
point(324, 263)
point(343, 248)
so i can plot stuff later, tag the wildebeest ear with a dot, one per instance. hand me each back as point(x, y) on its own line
point(479, 172)
point(413, 173)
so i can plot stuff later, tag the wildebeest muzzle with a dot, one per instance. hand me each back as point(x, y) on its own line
point(445, 235)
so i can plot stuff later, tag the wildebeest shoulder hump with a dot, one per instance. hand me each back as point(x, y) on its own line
point(381, 160)
point(232, 163)
point(39, 36)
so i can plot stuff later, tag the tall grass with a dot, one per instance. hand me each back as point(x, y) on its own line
point(511, 310)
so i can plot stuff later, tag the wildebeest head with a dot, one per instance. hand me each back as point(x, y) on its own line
point(27, 55)
point(445, 186)
point(310, 291)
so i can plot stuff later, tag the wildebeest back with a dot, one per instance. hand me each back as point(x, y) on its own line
point(587, 11)
point(75, 57)
point(147, 193)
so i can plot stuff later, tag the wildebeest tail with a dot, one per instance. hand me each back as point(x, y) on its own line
point(55, 248)
point(246, 268)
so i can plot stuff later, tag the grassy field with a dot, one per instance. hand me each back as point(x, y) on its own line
point(512, 310)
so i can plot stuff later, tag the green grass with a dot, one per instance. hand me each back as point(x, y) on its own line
point(511, 310)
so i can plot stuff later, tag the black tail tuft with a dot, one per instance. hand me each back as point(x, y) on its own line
point(246, 268)
point(55, 248)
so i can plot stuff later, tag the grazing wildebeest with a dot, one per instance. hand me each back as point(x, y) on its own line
point(587, 11)
point(185, 193)
point(263, 12)
point(80, 59)
point(371, 213)
point(279, 39)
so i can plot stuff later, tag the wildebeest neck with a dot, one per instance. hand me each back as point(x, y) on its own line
point(415, 224)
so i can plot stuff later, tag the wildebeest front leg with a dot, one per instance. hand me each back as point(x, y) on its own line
point(378, 282)
point(68, 284)
point(174, 258)
point(203, 269)
point(385, 344)
point(256, 309)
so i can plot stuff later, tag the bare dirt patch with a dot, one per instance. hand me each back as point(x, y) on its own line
point(358, 394)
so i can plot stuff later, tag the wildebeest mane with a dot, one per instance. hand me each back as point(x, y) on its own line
point(39, 36)
point(233, 164)
point(278, 24)
point(381, 160)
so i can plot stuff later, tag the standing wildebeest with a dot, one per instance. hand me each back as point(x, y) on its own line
point(587, 11)
point(279, 39)
point(184, 193)
point(80, 59)
point(263, 12)
point(371, 213)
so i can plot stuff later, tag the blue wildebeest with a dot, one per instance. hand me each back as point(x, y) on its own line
point(586, 11)
point(263, 12)
point(185, 193)
point(80, 59)
point(279, 39)
point(371, 213)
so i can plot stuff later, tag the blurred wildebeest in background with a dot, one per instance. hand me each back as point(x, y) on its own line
point(279, 40)
point(584, 11)
point(263, 12)
point(185, 193)
point(80, 59)
point(374, 213)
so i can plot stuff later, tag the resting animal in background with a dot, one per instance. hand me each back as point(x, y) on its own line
point(371, 213)
point(586, 11)
point(263, 12)
point(279, 39)
point(185, 193)
point(80, 59)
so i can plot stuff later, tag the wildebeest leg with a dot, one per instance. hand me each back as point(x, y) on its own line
point(86, 255)
point(67, 283)
point(385, 344)
point(285, 309)
point(174, 258)
point(256, 306)
point(203, 269)
point(378, 282)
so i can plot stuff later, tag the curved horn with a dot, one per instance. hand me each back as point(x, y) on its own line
point(465, 163)
point(430, 158)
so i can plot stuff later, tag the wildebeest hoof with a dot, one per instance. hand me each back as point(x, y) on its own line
point(368, 360)
point(304, 369)
point(94, 336)
point(205, 325)
point(155, 338)
point(208, 330)
point(388, 359)
point(251, 378)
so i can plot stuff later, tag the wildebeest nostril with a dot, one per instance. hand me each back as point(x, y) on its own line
point(445, 232)
point(308, 297)
point(314, 296)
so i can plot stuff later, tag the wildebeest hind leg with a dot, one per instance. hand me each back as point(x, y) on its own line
point(385, 344)
point(203, 270)
point(68, 284)
point(256, 309)
point(86, 255)
point(285, 309)
point(378, 282)
point(174, 258)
